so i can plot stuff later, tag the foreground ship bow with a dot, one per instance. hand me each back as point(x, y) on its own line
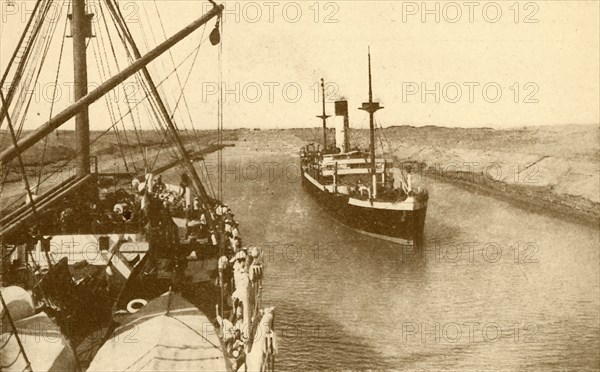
point(155, 276)
point(369, 194)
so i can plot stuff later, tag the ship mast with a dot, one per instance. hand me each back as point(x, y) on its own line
point(324, 116)
point(81, 30)
point(61, 118)
point(372, 107)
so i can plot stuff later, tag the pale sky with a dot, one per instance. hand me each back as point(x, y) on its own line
point(542, 57)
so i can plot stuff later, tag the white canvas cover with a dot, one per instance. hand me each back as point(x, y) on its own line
point(44, 345)
point(19, 303)
point(168, 334)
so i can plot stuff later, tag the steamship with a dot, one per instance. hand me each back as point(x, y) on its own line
point(371, 195)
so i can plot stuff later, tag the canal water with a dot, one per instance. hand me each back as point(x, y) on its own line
point(496, 287)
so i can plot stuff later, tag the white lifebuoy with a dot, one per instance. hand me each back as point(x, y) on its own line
point(134, 305)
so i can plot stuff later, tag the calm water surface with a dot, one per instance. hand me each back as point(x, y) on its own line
point(497, 287)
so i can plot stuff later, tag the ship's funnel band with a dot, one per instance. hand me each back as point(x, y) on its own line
point(342, 129)
point(341, 108)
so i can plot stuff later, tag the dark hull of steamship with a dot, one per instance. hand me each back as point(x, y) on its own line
point(403, 227)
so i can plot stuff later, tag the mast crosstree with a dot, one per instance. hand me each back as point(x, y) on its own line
point(71, 111)
point(324, 116)
point(372, 107)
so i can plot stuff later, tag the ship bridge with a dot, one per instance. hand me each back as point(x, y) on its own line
point(354, 162)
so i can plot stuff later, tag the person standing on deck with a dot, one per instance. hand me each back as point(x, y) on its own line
point(228, 226)
point(236, 243)
point(221, 210)
point(184, 184)
point(159, 186)
point(408, 189)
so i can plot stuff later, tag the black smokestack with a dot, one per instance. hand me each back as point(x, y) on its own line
point(341, 109)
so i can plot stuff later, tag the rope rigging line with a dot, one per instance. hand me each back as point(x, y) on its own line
point(66, 162)
point(220, 116)
point(118, 19)
point(23, 58)
point(391, 149)
point(31, 53)
point(38, 57)
point(160, 82)
point(20, 159)
point(145, 38)
point(125, 36)
point(362, 125)
point(220, 150)
point(100, 67)
point(20, 44)
point(41, 167)
point(39, 48)
point(43, 50)
point(158, 124)
point(173, 130)
point(181, 95)
point(104, 72)
point(7, 256)
point(123, 39)
point(181, 87)
point(210, 182)
point(137, 134)
point(6, 342)
point(162, 90)
point(5, 366)
point(379, 137)
point(184, 85)
point(12, 324)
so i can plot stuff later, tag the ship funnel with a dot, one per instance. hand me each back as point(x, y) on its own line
point(342, 126)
